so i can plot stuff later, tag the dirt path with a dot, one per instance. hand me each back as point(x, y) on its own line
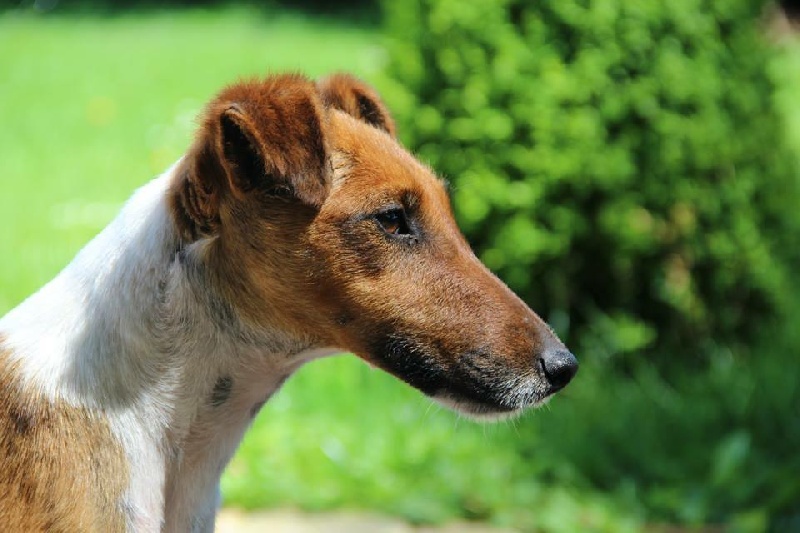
point(290, 521)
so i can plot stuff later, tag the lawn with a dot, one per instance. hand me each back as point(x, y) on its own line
point(93, 107)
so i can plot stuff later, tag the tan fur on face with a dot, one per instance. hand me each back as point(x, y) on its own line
point(61, 470)
point(439, 290)
point(298, 245)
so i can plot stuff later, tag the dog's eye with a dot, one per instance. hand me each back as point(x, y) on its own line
point(393, 222)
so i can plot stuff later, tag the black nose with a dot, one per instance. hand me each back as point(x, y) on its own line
point(559, 368)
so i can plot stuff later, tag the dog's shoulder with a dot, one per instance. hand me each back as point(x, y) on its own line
point(62, 468)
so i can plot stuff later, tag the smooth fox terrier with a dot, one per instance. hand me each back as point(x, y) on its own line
point(294, 227)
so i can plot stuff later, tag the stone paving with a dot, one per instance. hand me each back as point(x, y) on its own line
point(290, 521)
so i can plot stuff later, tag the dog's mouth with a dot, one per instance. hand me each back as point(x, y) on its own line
point(507, 399)
point(474, 383)
point(482, 411)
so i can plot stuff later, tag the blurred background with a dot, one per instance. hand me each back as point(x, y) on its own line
point(629, 167)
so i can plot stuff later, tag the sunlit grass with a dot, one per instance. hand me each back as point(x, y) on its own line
point(92, 108)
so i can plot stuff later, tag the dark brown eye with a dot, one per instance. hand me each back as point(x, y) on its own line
point(393, 222)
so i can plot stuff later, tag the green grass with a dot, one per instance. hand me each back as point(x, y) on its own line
point(343, 435)
point(92, 108)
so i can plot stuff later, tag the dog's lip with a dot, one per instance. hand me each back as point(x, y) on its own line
point(484, 410)
point(477, 391)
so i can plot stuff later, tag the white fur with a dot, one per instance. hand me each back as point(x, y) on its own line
point(127, 329)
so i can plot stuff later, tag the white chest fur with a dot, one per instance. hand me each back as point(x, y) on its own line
point(129, 331)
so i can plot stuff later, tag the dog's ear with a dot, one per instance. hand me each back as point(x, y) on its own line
point(356, 98)
point(265, 136)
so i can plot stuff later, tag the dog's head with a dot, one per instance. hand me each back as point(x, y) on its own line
point(322, 225)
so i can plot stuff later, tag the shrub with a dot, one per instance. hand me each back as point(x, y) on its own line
point(620, 165)
point(718, 447)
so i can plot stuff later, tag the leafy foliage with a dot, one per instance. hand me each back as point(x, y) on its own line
point(620, 164)
point(715, 447)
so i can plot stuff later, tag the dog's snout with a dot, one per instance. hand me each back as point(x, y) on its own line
point(559, 368)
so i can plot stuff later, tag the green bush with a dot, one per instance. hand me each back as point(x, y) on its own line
point(717, 447)
point(619, 164)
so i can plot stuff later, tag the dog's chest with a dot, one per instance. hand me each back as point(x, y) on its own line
point(206, 443)
point(222, 411)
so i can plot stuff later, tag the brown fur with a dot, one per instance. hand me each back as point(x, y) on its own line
point(356, 98)
point(441, 295)
point(304, 232)
point(61, 469)
point(276, 123)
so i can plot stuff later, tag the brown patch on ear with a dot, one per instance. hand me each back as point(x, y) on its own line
point(354, 97)
point(195, 193)
point(62, 469)
point(265, 135)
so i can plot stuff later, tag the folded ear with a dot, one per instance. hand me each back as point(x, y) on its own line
point(266, 137)
point(356, 98)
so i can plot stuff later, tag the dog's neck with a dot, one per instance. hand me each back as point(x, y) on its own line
point(135, 327)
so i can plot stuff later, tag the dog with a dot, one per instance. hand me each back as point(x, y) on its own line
point(295, 227)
